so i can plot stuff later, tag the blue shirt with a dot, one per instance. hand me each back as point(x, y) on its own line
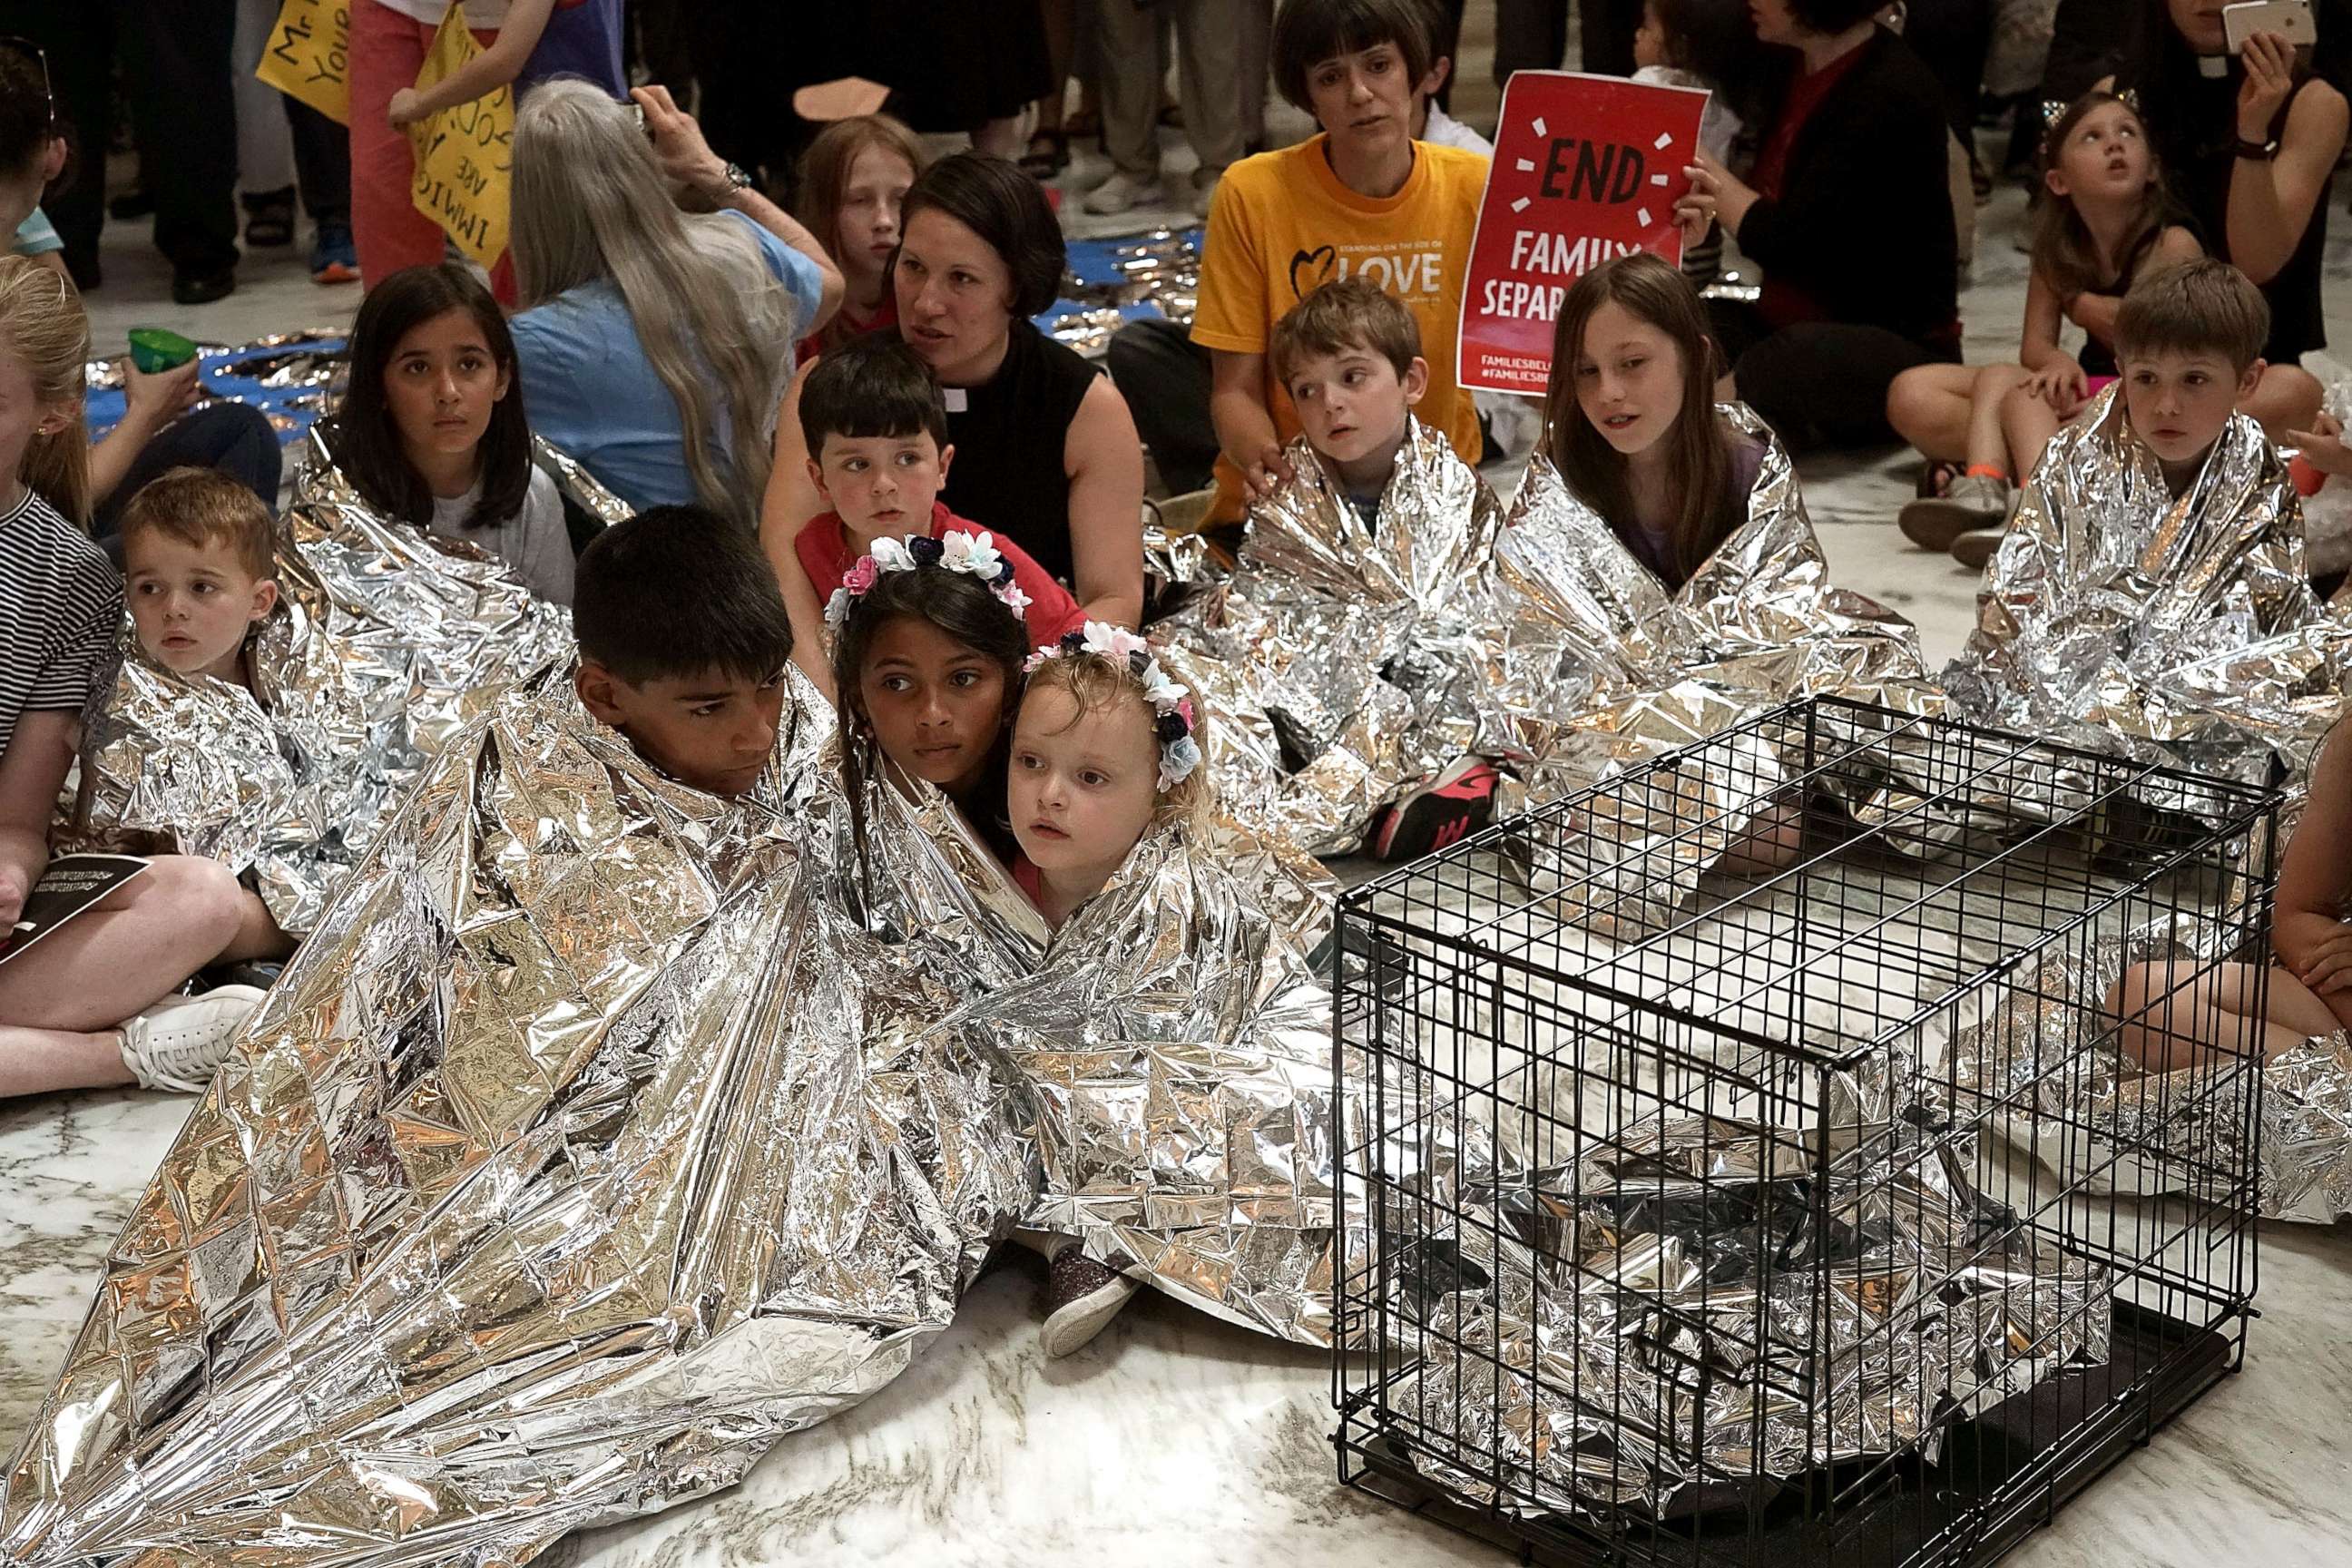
point(588, 386)
point(34, 236)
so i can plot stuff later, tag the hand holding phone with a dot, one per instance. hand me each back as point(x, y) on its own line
point(2289, 19)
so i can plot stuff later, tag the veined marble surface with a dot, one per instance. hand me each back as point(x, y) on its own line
point(1177, 1439)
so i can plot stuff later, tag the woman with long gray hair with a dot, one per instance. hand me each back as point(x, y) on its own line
point(654, 341)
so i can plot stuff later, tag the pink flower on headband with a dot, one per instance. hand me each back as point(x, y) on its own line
point(859, 579)
point(1184, 711)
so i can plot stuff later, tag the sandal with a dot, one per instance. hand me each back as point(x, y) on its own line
point(1048, 153)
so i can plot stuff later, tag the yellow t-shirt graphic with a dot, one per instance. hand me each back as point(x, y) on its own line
point(1283, 225)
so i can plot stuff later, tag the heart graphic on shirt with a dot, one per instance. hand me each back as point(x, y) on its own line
point(1319, 264)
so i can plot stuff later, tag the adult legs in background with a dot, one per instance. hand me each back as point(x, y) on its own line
point(1164, 377)
point(1208, 72)
point(231, 437)
point(177, 58)
point(1129, 85)
point(1818, 383)
point(1255, 30)
point(1953, 36)
point(1605, 30)
point(387, 51)
point(1529, 36)
point(322, 164)
point(264, 146)
point(78, 38)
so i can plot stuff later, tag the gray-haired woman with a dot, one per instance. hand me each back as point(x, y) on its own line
point(655, 341)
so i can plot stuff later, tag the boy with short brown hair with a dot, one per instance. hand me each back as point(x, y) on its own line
point(200, 569)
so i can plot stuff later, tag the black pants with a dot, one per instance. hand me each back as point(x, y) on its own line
point(78, 40)
point(1529, 36)
point(176, 59)
point(1818, 383)
point(322, 165)
point(1953, 36)
point(1164, 377)
point(230, 436)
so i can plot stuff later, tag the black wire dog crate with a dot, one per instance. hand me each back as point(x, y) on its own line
point(1823, 1144)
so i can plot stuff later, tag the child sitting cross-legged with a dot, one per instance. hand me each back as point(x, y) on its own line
point(683, 645)
point(877, 430)
point(97, 1002)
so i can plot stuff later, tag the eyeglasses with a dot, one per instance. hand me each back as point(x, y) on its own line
point(40, 58)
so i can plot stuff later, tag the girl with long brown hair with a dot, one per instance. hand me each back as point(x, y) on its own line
point(1630, 417)
point(854, 180)
point(2105, 219)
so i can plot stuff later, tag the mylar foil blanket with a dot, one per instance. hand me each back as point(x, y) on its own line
point(436, 630)
point(1342, 664)
point(288, 376)
point(1178, 1053)
point(1110, 282)
point(1650, 1317)
point(2184, 632)
point(385, 641)
point(588, 1147)
point(2096, 1117)
point(285, 782)
point(1595, 667)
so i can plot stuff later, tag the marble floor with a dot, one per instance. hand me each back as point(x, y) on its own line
point(1173, 1439)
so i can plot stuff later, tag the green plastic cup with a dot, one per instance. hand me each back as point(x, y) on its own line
point(156, 348)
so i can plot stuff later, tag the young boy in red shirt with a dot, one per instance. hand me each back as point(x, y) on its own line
point(877, 440)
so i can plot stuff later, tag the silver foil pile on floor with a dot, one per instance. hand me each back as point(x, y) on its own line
point(594, 1142)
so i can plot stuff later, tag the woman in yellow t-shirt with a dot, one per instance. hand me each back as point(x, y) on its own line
point(1361, 200)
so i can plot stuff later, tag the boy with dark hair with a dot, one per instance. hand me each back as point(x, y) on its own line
point(683, 645)
point(1361, 200)
point(876, 434)
point(2189, 342)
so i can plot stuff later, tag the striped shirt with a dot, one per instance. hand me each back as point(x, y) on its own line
point(60, 607)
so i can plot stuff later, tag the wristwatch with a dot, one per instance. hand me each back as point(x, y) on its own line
point(731, 179)
point(2258, 152)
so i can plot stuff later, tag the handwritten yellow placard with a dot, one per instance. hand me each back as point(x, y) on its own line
point(309, 56)
point(465, 155)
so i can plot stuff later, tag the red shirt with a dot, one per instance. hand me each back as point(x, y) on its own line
point(851, 325)
point(1780, 303)
point(824, 549)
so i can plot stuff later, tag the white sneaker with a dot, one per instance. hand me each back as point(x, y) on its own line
point(179, 1042)
point(1121, 192)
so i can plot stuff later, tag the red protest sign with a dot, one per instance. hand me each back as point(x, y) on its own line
point(1587, 168)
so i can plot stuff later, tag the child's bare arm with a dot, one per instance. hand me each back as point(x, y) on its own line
point(32, 771)
point(792, 501)
point(2307, 932)
point(493, 68)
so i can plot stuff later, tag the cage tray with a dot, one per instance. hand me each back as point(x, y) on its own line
point(2096, 1412)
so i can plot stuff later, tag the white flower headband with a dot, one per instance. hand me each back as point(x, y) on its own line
point(973, 554)
point(1171, 706)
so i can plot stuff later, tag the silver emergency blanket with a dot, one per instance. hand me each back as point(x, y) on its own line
point(1110, 283)
point(2098, 1118)
point(1343, 664)
point(2183, 632)
point(385, 643)
point(1649, 1318)
point(1595, 666)
point(1178, 1053)
point(589, 1146)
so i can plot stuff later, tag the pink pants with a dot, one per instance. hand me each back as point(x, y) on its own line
point(387, 51)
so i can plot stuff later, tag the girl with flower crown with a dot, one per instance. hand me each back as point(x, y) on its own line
point(927, 643)
point(1105, 747)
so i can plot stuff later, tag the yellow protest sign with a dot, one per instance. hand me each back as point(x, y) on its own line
point(308, 55)
point(465, 155)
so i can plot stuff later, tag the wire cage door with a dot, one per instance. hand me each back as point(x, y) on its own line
point(1870, 1151)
